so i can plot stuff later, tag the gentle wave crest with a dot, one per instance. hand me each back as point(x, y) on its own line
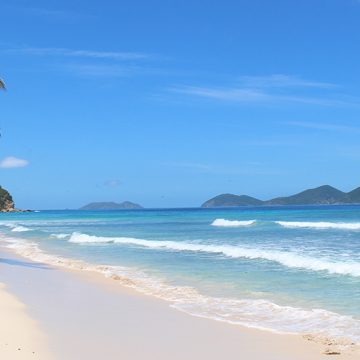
point(319, 225)
point(15, 227)
point(254, 313)
point(232, 223)
point(20, 229)
point(291, 224)
point(60, 236)
point(288, 259)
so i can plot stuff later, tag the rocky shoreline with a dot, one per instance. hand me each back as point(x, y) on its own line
point(14, 211)
point(7, 204)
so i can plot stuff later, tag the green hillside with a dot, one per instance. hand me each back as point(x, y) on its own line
point(322, 195)
point(6, 201)
point(230, 200)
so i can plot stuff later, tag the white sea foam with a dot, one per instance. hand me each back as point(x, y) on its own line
point(255, 313)
point(15, 227)
point(286, 258)
point(20, 229)
point(80, 238)
point(232, 223)
point(319, 225)
point(60, 236)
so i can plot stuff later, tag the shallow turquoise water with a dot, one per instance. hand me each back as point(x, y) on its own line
point(300, 258)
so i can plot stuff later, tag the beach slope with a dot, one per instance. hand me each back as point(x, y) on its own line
point(89, 317)
point(20, 336)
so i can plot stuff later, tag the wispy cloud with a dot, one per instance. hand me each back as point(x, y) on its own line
point(351, 151)
point(282, 81)
point(13, 162)
point(90, 63)
point(190, 165)
point(228, 94)
point(322, 126)
point(93, 54)
point(246, 95)
point(249, 168)
point(49, 13)
point(272, 89)
point(99, 70)
point(288, 142)
point(46, 12)
point(114, 183)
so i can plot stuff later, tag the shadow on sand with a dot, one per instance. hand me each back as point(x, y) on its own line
point(15, 262)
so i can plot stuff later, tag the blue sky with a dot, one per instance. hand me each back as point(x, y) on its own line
point(168, 103)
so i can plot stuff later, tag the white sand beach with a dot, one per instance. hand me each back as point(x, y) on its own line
point(86, 316)
point(179, 180)
point(20, 336)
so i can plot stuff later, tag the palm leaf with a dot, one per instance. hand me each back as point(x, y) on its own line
point(2, 84)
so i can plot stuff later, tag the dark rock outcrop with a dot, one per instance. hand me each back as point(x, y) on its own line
point(6, 201)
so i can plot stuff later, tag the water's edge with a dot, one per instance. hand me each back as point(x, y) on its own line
point(325, 326)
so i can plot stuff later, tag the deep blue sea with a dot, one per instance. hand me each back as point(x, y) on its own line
point(285, 269)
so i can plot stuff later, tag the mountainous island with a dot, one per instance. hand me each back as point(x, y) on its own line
point(111, 206)
point(322, 195)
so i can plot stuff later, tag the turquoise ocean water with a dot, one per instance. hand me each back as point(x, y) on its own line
point(285, 269)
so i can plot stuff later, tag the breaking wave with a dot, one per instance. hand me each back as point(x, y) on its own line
point(288, 259)
point(232, 223)
point(319, 225)
point(20, 229)
point(15, 227)
point(60, 236)
point(253, 313)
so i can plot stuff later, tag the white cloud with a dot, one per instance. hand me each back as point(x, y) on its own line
point(13, 162)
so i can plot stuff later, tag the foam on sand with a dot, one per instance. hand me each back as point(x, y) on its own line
point(285, 258)
point(232, 223)
point(254, 313)
point(319, 225)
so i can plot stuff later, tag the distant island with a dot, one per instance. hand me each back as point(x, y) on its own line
point(111, 206)
point(322, 195)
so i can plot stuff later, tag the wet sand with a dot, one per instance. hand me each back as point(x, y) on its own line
point(86, 316)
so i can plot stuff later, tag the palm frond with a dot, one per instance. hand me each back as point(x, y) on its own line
point(2, 84)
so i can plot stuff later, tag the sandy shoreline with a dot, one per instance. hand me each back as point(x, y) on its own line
point(86, 317)
point(20, 335)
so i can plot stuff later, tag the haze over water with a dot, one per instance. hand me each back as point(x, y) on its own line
point(287, 269)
